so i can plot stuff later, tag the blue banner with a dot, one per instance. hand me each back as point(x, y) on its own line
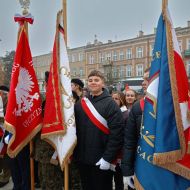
point(159, 132)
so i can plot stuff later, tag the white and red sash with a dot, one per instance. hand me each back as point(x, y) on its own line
point(94, 116)
point(100, 123)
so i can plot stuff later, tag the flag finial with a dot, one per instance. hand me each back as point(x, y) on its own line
point(25, 5)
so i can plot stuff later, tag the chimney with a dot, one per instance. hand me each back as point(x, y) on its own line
point(188, 23)
point(95, 40)
point(141, 33)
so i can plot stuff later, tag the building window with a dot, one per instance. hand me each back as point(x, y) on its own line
point(115, 56)
point(180, 45)
point(122, 71)
point(121, 55)
point(115, 72)
point(139, 52)
point(73, 58)
point(81, 72)
point(188, 44)
point(101, 57)
point(74, 72)
point(128, 70)
point(81, 56)
point(69, 57)
point(108, 56)
point(151, 50)
point(129, 53)
point(188, 68)
point(91, 59)
point(139, 70)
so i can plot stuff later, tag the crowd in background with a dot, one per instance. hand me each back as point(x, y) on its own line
point(91, 164)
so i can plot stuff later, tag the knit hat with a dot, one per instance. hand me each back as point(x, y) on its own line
point(4, 88)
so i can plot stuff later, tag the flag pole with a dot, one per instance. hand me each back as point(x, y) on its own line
point(66, 165)
point(25, 12)
point(65, 20)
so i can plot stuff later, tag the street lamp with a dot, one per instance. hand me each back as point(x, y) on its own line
point(25, 5)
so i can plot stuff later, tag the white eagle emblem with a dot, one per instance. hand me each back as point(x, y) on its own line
point(23, 89)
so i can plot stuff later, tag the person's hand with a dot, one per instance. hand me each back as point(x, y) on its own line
point(129, 180)
point(104, 165)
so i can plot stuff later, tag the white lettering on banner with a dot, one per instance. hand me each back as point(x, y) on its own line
point(15, 66)
point(30, 63)
point(32, 116)
point(70, 121)
point(144, 155)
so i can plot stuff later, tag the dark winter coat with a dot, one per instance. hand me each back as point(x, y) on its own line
point(92, 143)
point(131, 136)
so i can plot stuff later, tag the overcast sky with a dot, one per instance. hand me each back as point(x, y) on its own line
point(109, 19)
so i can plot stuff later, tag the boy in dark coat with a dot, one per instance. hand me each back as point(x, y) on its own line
point(97, 145)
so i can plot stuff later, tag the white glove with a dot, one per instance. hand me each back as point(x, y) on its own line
point(7, 139)
point(104, 165)
point(129, 180)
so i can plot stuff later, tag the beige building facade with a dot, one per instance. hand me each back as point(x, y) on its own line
point(122, 62)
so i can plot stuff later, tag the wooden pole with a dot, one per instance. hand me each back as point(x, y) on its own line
point(25, 12)
point(65, 20)
point(31, 166)
point(66, 166)
point(31, 142)
point(164, 5)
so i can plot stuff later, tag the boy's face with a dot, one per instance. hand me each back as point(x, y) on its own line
point(95, 84)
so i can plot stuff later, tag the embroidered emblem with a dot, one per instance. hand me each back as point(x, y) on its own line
point(23, 89)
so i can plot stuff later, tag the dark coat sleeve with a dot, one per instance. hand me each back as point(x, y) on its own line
point(116, 125)
point(131, 136)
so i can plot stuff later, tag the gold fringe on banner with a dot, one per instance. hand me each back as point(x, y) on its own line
point(173, 82)
point(178, 169)
point(168, 157)
point(188, 114)
point(138, 186)
point(11, 129)
point(188, 148)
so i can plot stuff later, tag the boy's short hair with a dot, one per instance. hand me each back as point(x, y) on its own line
point(97, 74)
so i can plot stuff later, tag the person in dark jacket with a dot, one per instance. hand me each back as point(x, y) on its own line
point(119, 98)
point(132, 134)
point(5, 172)
point(97, 146)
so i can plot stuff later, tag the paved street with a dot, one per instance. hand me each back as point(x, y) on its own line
point(9, 186)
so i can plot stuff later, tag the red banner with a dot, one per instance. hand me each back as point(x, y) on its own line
point(59, 122)
point(53, 122)
point(24, 113)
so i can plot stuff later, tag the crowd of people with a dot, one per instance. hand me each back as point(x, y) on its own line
point(107, 129)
